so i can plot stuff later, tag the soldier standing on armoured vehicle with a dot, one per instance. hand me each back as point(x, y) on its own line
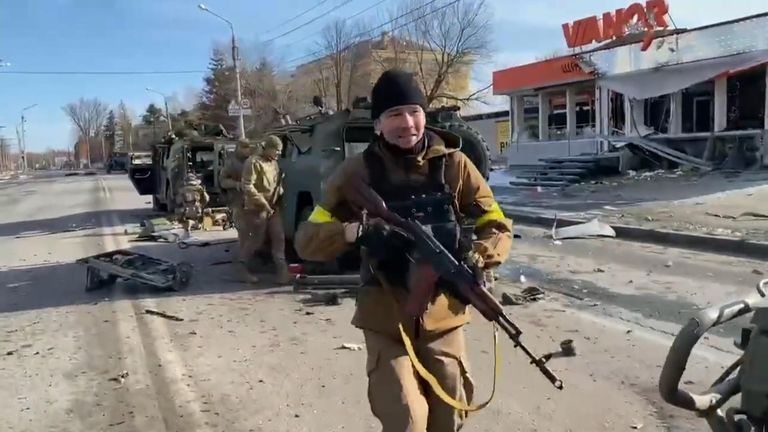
point(191, 201)
point(419, 174)
point(262, 191)
point(231, 181)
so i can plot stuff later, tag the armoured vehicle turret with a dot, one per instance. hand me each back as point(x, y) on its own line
point(314, 145)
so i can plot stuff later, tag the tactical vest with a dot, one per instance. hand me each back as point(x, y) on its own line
point(429, 201)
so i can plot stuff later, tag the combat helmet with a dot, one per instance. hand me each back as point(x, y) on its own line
point(192, 179)
point(273, 142)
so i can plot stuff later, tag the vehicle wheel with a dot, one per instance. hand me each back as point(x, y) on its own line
point(472, 144)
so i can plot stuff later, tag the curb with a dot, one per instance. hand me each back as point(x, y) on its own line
point(697, 242)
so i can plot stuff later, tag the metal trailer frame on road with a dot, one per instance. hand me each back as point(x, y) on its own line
point(103, 270)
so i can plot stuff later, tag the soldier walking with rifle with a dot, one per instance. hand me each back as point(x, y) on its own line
point(404, 200)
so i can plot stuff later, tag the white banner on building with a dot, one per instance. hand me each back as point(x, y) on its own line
point(669, 79)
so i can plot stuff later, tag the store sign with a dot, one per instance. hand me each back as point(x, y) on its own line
point(502, 134)
point(612, 25)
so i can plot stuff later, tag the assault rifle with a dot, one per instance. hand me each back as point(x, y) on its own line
point(430, 262)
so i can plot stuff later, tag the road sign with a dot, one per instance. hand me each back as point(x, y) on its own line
point(234, 112)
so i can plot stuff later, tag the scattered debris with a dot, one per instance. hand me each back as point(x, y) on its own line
point(120, 378)
point(598, 270)
point(567, 348)
point(305, 282)
point(528, 295)
point(103, 270)
point(593, 228)
point(196, 242)
point(557, 242)
point(163, 315)
point(637, 426)
point(351, 347)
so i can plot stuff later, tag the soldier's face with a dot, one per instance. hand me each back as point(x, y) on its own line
point(402, 126)
point(271, 153)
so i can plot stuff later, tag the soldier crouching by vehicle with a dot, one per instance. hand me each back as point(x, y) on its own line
point(419, 174)
point(191, 201)
point(231, 181)
point(262, 193)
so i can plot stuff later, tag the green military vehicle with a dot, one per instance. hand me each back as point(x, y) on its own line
point(172, 160)
point(118, 161)
point(315, 145)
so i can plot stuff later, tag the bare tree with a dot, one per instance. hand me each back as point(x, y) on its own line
point(446, 39)
point(88, 116)
point(338, 44)
point(125, 125)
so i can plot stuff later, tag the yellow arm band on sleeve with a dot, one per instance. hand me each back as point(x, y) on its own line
point(493, 214)
point(320, 215)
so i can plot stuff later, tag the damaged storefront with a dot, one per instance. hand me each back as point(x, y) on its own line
point(642, 93)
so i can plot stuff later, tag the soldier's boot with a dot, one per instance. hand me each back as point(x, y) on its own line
point(245, 274)
point(282, 275)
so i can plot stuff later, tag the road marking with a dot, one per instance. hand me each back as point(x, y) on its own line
point(173, 368)
point(104, 188)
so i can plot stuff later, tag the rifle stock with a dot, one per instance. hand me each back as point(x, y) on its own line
point(432, 261)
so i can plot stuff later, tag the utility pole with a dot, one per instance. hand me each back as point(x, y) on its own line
point(23, 141)
point(241, 122)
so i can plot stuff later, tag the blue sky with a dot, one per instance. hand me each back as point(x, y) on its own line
point(115, 35)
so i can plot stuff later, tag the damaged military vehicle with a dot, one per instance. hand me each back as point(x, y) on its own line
point(173, 159)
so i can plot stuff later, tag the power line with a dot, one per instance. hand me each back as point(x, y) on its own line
point(178, 72)
point(445, 6)
point(308, 22)
point(346, 18)
point(297, 16)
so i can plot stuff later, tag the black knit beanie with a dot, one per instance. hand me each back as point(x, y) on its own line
point(395, 88)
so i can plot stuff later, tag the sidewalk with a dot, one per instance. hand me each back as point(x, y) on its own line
point(711, 208)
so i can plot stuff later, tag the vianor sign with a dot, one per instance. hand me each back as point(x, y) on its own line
point(651, 17)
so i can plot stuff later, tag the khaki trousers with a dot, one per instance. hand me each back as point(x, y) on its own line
point(253, 230)
point(400, 399)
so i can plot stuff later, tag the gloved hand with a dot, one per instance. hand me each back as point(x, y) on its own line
point(382, 239)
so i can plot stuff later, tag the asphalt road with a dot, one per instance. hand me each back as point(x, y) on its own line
point(262, 358)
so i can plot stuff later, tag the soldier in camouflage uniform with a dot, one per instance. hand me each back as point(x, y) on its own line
point(262, 191)
point(231, 182)
point(190, 202)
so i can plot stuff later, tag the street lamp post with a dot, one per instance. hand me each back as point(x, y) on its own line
point(23, 142)
point(2, 151)
point(165, 101)
point(241, 122)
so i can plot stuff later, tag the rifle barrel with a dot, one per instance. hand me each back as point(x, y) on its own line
point(514, 334)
